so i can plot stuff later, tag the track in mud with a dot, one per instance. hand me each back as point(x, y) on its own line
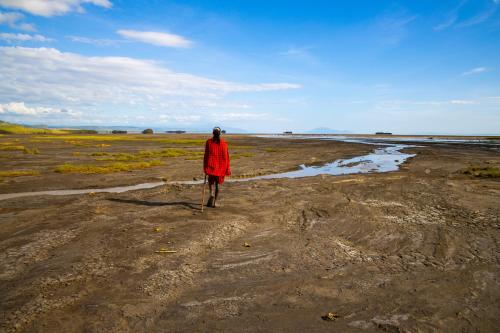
point(412, 250)
point(384, 159)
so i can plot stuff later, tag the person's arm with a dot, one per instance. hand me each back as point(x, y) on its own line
point(228, 170)
point(205, 157)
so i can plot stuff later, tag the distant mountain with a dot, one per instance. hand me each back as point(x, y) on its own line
point(325, 130)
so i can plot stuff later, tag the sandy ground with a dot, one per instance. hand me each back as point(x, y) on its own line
point(415, 250)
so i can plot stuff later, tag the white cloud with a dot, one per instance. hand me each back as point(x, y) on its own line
point(453, 17)
point(46, 76)
point(156, 38)
point(10, 37)
point(302, 54)
point(231, 116)
point(462, 102)
point(20, 109)
point(95, 41)
point(214, 116)
point(180, 118)
point(52, 7)
point(412, 104)
point(476, 70)
point(12, 20)
point(479, 18)
point(393, 28)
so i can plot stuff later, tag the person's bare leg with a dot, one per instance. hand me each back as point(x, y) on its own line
point(211, 197)
point(216, 192)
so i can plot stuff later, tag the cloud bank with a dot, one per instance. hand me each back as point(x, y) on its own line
point(49, 8)
point(20, 109)
point(61, 80)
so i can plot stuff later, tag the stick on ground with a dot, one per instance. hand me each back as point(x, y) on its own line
point(203, 193)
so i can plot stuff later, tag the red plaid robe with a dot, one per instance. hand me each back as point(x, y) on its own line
point(216, 160)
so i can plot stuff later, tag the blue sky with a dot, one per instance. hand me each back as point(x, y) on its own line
point(263, 66)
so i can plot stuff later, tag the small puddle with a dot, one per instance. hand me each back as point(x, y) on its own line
point(384, 159)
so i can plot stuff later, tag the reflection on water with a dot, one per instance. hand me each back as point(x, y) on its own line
point(381, 160)
point(387, 158)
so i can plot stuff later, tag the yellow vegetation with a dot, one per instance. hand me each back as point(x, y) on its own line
point(106, 168)
point(25, 150)
point(33, 151)
point(13, 148)
point(19, 173)
point(483, 172)
point(145, 154)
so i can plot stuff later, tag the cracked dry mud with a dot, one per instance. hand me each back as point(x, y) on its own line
point(415, 250)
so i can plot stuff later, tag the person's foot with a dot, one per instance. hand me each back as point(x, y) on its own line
point(210, 201)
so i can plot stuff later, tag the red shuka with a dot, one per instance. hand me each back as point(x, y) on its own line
point(216, 160)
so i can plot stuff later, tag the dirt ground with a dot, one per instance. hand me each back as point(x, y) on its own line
point(415, 250)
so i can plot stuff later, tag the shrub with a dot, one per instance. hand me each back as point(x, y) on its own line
point(147, 131)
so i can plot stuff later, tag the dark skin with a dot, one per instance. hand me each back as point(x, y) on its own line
point(214, 194)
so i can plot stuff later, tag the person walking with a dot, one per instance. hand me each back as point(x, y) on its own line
point(215, 164)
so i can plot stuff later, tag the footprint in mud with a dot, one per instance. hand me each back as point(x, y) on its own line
point(14, 260)
point(310, 217)
point(232, 260)
point(168, 282)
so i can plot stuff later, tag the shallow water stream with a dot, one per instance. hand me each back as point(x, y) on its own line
point(385, 159)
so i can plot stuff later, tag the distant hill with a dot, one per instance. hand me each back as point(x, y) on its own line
point(325, 130)
point(9, 128)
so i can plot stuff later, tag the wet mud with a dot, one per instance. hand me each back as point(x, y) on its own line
point(414, 250)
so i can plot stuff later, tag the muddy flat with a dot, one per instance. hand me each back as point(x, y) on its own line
point(414, 250)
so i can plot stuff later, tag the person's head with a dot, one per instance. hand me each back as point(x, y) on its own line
point(216, 132)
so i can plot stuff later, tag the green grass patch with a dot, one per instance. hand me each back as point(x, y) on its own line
point(482, 172)
point(19, 173)
point(106, 168)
